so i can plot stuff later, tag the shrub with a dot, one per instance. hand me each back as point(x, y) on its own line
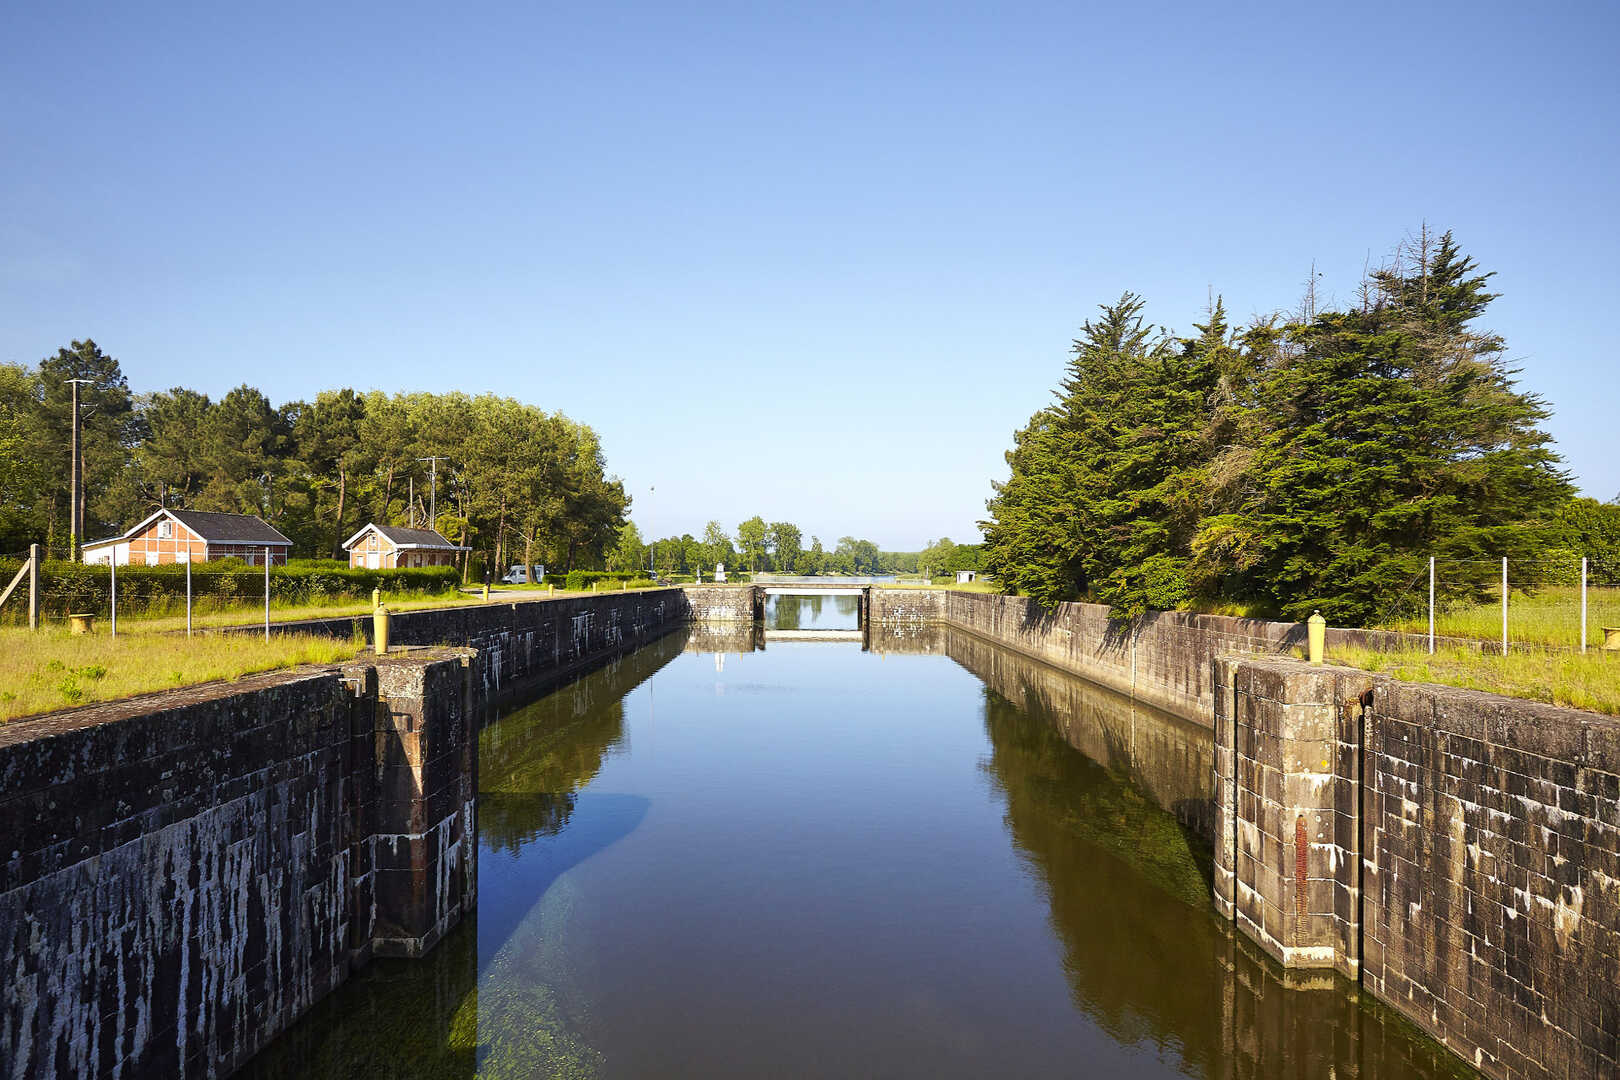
point(584, 579)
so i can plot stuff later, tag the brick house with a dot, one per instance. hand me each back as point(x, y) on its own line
point(171, 536)
point(388, 547)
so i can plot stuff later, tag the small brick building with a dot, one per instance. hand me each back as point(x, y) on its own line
point(177, 536)
point(389, 547)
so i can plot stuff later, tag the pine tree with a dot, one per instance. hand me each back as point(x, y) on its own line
point(1313, 464)
point(1398, 434)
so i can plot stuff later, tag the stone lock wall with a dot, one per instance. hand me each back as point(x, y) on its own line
point(913, 606)
point(1458, 851)
point(1492, 884)
point(524, 645)
point(722, 603)
point(1286, 808)
point(184, 875)
point(424, 869)
point(1166, 659)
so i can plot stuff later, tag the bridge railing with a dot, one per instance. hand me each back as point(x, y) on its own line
point(830, 580)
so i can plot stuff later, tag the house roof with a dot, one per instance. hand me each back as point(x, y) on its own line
point(229, 528)
point(402, 537)
point(209, 527)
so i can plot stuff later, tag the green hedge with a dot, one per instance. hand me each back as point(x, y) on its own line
point(223, 583)
point(584, 579)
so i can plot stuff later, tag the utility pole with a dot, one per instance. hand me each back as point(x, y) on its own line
point(410, 500)
point(76, 497)
point(433, 489)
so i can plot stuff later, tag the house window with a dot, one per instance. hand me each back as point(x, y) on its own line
point(165, 530)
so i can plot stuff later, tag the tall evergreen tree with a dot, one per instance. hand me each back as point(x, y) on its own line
point(1398, 434)
point(1315, 464)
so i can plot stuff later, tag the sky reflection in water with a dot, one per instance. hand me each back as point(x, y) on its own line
point(817, 860)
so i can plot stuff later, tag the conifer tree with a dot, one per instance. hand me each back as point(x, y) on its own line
point(1309, 465)
point(1398, 435)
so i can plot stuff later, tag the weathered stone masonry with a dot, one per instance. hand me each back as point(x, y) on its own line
point(1456, 852)
point(526, 644)
point(183, 875)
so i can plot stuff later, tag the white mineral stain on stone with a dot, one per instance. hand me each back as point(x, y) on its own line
point(1567, 916)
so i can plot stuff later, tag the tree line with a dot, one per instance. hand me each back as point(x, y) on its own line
point(779, 547)
point(513, 481)
point(1305, 461)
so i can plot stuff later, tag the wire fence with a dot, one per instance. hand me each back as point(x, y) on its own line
point(104, 592)
point(177, 596)
point(1552, 603)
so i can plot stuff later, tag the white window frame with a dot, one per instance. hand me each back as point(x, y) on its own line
point(165, 530)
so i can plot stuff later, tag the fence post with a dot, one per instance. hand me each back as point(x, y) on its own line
point(1504, 605)
point(112, 598)
point(1431, 605)
point(188, 590)
point(1583, 603)
point(33, 586)
point(267, 594)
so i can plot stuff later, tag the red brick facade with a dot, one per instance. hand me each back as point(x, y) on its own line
point(167, 540)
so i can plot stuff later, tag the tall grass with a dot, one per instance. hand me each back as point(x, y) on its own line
point(1557, 677)
point(1549, 616)
point(168, 617)
point(53, 669)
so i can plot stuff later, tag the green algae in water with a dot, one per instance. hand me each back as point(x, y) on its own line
point(525, 1018)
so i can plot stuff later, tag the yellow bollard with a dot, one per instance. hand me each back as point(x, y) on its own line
point(379, 629)
point(1316, 633)
point(486, 593)
point(376, 599)
point(550, 589)
point(594, 584)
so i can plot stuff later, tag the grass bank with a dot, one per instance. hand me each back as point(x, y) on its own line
point(1549, 616)
point(53, 669)
point(1590, 681)
point(967, 586)
point(168, 618)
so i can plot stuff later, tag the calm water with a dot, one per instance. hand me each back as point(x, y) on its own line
point(931, 858)
point(812, 613)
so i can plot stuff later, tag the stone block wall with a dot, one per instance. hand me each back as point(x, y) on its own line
point(1165, 756)
point(526, 644)
point(1459, 851)
point(907, 605)
point(424, 872)
point(1492, 881)
point(183, 875)
point(1287, 793)
point(1166, 659)
point(188, 873)
point(722, 603)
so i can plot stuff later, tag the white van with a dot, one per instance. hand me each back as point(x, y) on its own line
point(521, 574)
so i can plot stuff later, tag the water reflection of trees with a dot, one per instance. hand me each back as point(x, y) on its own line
point(805, 612)
point(1143, 951)
point(787, 613)
point(534, 760)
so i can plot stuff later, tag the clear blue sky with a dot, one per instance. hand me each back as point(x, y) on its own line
point(814, 262)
